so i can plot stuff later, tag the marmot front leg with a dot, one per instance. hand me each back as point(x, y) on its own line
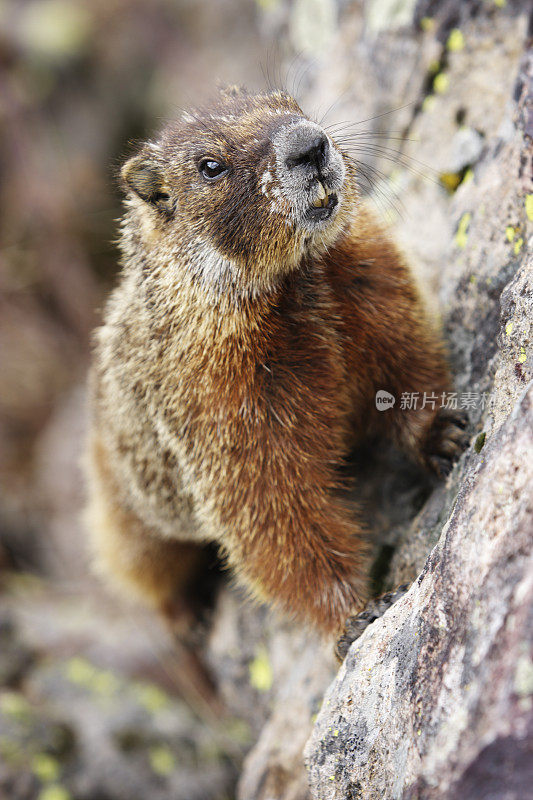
point(272, 505)
point(311, 563)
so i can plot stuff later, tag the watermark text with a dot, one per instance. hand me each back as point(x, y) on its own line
point(417, 401)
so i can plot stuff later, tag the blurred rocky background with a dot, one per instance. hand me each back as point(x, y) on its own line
point(97, 702)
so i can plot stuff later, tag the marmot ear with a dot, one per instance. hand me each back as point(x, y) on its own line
point(144, 177)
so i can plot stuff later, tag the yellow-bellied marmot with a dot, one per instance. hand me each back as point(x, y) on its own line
point(259, 309)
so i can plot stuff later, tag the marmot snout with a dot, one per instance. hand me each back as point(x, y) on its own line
point(259, 309)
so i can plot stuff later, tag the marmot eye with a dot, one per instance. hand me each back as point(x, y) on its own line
point(212, 170)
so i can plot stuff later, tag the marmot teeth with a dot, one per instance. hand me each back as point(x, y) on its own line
point(322, 197)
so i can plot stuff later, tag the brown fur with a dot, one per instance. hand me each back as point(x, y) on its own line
point(237, 365)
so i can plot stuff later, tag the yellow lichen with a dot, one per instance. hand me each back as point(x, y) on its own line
point(54, 792)
point(461, 237)
point(510, 232)
point(529, 206)
point(450, 180)
point(151, 697)
point(522, 357)
point(441, 83)
point(509, 328)
point(85, 674)
point(518, 246)
point(13, 704)
point(162, 760)
point(80, 671)
point(427, 24)
point(456, 40)
point(105, 683)
point(260, 671)
point(45, 767)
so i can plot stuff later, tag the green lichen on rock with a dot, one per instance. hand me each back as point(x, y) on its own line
point(151, 697)
point(261, 671)
point(529, 206)
point(45, 767)
point(99, 681)
point(162, 760)
point(15, 705)
point(480, 441)
point(456, 40)
point(518, 245)
point(441, 83)
point(461, 237)
point(54, 792)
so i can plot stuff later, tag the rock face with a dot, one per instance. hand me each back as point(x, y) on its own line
point(435, 700)
point(437, 693)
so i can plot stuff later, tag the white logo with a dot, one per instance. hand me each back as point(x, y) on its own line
point(384, 400)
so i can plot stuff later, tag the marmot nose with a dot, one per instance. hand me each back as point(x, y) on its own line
point(310, 153)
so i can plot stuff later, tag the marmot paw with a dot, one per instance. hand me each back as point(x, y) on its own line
point(354, 626)
point(446, 441)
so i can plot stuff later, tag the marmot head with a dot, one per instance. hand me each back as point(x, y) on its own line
point(239, 193)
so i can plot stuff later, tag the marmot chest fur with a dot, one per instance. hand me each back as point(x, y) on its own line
point(259, 309)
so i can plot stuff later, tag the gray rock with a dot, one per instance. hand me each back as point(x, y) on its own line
point(434, 701)
point(447, 672)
